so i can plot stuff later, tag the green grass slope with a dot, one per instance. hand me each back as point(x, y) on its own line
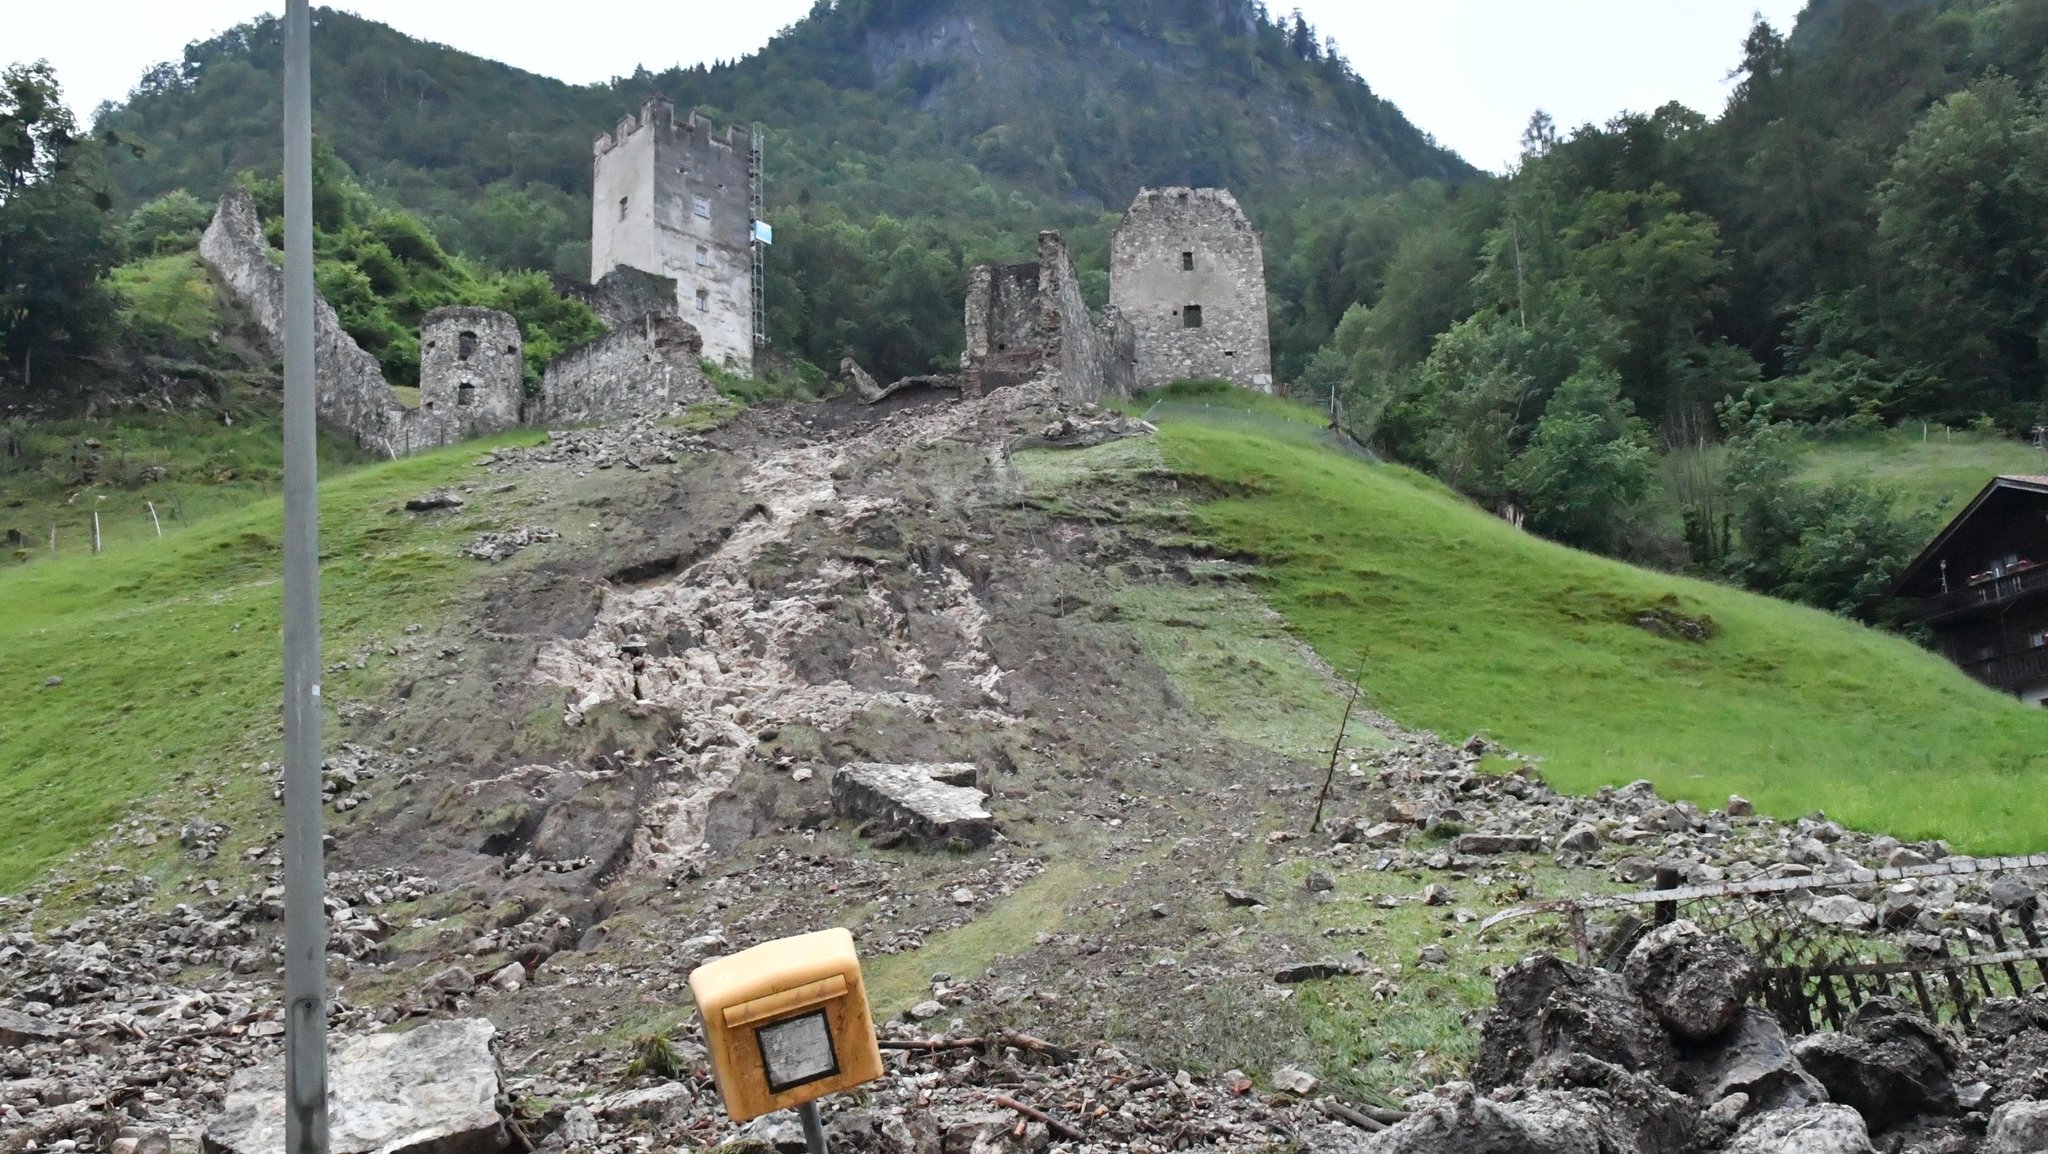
point(1932, 471)
point(1466, 624)
point(169, 652)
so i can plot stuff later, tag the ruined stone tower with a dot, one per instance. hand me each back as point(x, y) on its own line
point(1187, 271)
point(676, 200)
point(1026, 320)
point(472, 371)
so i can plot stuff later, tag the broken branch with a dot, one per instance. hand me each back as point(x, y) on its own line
point(1343, 1113)
point(1035, 1114)
point(1337, 746)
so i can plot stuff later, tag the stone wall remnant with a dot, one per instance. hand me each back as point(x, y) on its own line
point(472, 360)
point(350, 392)
point(1188, 272)
point(621, 296)
point(649, 366)
point(675, 199)
point(1026, 320)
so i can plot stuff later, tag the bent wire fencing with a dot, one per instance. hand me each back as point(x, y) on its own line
point(1947, 935)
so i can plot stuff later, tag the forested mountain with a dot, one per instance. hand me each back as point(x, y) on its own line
point(1821, 22)
point(1855, 242)
point(906, 139)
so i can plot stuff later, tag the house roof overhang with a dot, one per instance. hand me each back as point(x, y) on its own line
point(1924, 563)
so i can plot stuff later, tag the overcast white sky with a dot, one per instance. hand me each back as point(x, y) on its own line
point(1468, 71)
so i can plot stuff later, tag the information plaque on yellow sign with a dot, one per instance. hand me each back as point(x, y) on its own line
point(786, 1022)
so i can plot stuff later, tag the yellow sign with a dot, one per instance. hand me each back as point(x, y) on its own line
point(786, 1022)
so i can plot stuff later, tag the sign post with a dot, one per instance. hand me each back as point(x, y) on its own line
point(305, 911)
point(787, 1023)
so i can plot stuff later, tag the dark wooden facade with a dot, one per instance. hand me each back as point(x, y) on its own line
point(1982, 587)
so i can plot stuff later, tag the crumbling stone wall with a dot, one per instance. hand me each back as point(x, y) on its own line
point(675, 200)
point(622, 296)
point(649, 366)
point(350, 390)
point(472, 371)
point(1025, 320)
point(472, 367)
point(1189, 274)
point(1004, 344)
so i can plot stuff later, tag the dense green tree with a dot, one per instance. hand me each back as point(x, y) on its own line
point(1961, 213)
point(57, 240)
point(1837, 547)
point(1587, 463)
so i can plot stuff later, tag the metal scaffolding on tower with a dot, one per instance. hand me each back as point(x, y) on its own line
point(759, 238)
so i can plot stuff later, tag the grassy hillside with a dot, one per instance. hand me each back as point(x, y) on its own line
point(1466, 624)
point(155, 665)
point(1936, 471)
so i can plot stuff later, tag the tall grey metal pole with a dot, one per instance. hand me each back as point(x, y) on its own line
point(305, 918)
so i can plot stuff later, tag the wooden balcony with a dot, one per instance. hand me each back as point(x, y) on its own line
point(2012, 671)
point(1992, 594)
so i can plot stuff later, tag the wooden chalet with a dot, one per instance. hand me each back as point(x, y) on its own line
point(1982, 587)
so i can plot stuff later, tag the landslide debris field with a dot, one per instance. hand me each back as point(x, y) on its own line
point(585, 736)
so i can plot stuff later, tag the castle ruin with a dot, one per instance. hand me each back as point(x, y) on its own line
point(1188, 273)
point(472, 360)
point(1026, 320)
point(677, 200)
point(472, 369)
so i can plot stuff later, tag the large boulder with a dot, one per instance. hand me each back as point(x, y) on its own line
point(1809, 1130)
point(1464, 1122)
point(934, 804)
point(431, 1090)
point(1695, 982)
point(1888, 1064)
point(2018, 1128)
point(1752, 1057)
point(1546, 1006)
point(1636, 1114)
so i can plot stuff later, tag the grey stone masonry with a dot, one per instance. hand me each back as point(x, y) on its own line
point(675, 199)
point(1026, 320)
point(928, 802)
point(472, 360)
point(648, 366)
point(621, 296)
point(472, 370)
point(1188, 273)
point(350, 393)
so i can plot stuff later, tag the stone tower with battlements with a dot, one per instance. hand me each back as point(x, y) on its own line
point(1188, 273)
point(675, 199)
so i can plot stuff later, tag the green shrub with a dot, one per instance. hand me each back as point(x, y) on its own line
point(169, 224)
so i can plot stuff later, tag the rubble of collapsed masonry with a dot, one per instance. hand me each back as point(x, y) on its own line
point(472, 372)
